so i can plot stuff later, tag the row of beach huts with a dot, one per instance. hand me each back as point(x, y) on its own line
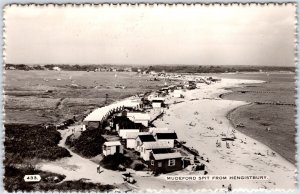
point(130, 122)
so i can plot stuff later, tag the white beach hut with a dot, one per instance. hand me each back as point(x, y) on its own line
point(112, 147)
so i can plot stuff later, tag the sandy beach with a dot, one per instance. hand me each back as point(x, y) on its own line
point(202, 108)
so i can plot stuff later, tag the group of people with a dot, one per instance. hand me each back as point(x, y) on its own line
point(228, 189)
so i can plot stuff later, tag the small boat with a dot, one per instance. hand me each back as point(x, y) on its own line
point(227, 138)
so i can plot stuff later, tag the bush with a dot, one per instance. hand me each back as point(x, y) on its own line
point(13, 182)
point(32, 141)
point(88, 144)
point(139, 166)
point(112, 162)
point(13, 178)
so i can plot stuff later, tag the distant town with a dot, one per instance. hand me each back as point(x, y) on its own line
point(148, 69)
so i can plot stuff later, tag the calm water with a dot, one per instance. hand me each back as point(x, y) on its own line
point(279, 87)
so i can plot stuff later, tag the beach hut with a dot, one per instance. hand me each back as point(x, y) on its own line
point(122, 122)
point(133, 104)
point(130, 138)
point(167, 136)
point(142, 139)
point(158, 102)
point(112, 147)
point(139, 117)
point(161, 162)
point(146, 148)
point(123, 132)
point(178, 93)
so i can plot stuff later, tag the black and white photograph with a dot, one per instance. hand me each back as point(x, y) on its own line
point(137, 97)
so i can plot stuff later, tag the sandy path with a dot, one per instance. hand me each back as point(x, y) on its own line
point(77, 167)
point(190, 119)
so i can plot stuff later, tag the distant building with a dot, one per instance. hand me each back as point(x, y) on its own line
point(192, 85)
point(152, 73)
point(112, 147)
point(128, 69)
point(56, 68)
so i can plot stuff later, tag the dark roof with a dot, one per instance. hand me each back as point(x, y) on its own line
point(157, 100)
point(146, 138)
point(166, 135)
point(162, 151)
point(126, 123)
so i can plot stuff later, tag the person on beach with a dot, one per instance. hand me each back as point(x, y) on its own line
point(98, 169)
point(218, 144)
point(229, 188)
point(227, 145)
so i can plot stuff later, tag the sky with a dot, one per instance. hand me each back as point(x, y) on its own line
point(157, 34)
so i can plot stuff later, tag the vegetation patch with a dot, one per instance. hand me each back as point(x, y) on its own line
point(32, 141)
point(14, 179)
point(14, 182)
point(88, 144)
point(113, 162)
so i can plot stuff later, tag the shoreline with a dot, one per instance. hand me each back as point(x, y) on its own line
point(237, 115)
point(231, 120)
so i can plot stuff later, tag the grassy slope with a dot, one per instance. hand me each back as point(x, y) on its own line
point(36, 97)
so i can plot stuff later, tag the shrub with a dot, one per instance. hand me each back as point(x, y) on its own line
point(88, 144)
point(139, 166)
point(13, 178)
point(29, 141)
point(13, 182)
point(112, 162)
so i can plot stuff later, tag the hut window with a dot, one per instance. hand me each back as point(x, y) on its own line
point(160, 164)
point(152, 162)
point(172, 162)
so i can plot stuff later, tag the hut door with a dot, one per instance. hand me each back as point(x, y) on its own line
point(117, 149)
